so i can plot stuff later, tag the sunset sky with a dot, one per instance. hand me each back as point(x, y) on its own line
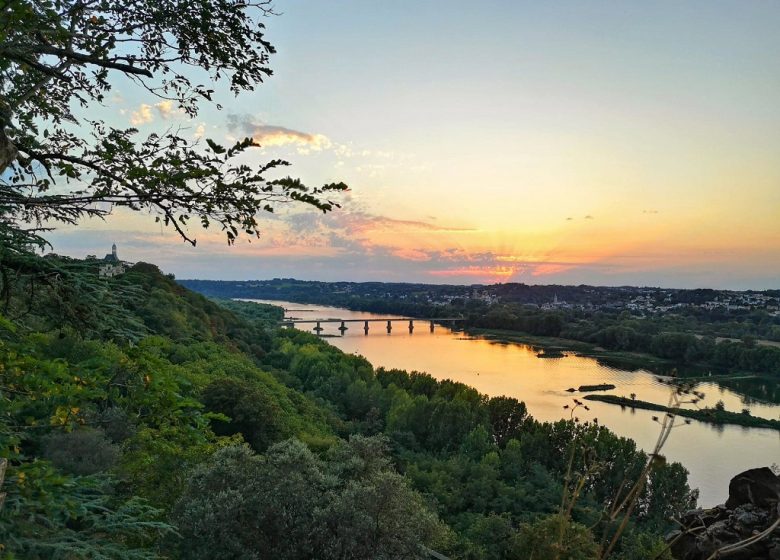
point(593, 142)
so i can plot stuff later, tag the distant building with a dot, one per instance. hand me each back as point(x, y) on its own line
point(111, 270)
point(112, 257)
point(113, 266)
point(555, 304)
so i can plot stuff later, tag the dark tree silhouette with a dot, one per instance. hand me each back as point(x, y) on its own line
point(59, 57)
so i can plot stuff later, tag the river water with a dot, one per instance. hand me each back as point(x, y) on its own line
point(712, 454)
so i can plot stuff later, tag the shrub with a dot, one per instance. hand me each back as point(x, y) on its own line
point(81, 452)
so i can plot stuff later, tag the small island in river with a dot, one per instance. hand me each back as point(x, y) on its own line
point(599, 387)
point(711, 415)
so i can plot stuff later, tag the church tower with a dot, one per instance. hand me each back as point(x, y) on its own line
point(113, 252)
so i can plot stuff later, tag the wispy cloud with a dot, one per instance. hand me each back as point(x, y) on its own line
point(367, 220)
point(482, 273)
point(273, 136)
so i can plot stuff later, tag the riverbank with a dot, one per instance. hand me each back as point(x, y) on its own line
point(614, 358)
point(623, 360)
point(758, 388)
point(708, 415)
point(512, 369)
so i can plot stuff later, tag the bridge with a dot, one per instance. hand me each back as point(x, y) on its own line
point(318, 328)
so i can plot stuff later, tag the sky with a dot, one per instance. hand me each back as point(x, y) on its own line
point(606, 143)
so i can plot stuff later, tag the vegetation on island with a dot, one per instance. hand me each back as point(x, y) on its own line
point(712, 415)
point(599, 387)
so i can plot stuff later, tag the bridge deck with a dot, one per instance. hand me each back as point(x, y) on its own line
point(435, 320)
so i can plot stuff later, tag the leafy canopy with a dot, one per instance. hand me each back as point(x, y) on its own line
point(60, 57)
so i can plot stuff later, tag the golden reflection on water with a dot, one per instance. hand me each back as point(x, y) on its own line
point(713, 454)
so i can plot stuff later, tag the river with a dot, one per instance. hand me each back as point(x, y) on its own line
point(712, 454)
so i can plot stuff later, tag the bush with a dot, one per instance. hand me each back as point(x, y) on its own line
point(81, 452)
point(557, 537)
point(289, 504)
point(252, 412)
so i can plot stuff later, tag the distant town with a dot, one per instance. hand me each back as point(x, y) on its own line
point(637, 300)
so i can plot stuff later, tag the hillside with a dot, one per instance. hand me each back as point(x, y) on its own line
point(142, 420)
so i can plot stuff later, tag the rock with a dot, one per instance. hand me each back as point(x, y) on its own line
point(704, 516)
point(753, 505)
point(721, 533)
point(749, 516)
point(760, 487)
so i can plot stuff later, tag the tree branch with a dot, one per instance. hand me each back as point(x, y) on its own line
point(91, 59)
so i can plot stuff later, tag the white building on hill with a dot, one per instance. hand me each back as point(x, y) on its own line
point(113, 266)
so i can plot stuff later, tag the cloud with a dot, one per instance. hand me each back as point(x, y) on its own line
point(589, 217)
point(200, 131)
point(411, 254)
point(142, 116)
point(165, 109)
point(274, 136)
point(649, 211)
point(267, 135)
point(358, 229)
point(547, 269)
point(478, 271)
point(367, 220)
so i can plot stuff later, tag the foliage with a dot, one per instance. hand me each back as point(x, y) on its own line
point(681, 337)
point(349, 506)
point(715, 415)
point(445, 466)
point(251, 412)
point(556, 538)
point(49, 516)
point(81, 452)
point(255, 312)
point(124, 402)
point(59, 58)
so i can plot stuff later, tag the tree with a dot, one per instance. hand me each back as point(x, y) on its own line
point(60, 57)
point(252, 412)
point(289, 504)
point(507, 416)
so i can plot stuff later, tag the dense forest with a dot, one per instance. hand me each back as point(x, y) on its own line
point(142, 420)
point(686, 338)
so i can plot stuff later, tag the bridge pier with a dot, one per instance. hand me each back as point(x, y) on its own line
point(318, 329)
point(365, 328)
point(411, 326)
point(343, 327)
point(389, 327)
point(432, 325)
